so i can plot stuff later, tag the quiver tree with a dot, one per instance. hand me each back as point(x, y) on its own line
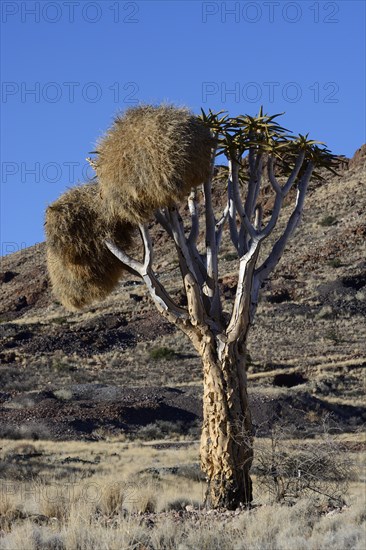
point(257, 149)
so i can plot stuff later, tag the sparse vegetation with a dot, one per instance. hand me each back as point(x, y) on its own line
point(63, 365)
point(59, 320)
point(289, 469)
point(334, 335)
point(163, 429)
point(157, 354)
point(79, 503)
point(230, 256)
point(335, 262)
point(328, 221)
point(293, 339)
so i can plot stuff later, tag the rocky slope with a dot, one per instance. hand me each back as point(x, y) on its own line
point(308, 339)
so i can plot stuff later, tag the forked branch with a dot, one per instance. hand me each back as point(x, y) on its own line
point(254, 184)
point(273, 258)
point(159, 295)
point(240, 317)
point(246, 228)
point(280, 192)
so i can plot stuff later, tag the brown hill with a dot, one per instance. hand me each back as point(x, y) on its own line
point(310, 327)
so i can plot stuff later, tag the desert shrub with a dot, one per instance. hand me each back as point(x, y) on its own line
point(28, 430)
point(333, 334)
point(181, 504)
point(146, 503)
point(276, 527)
point(161, 429)
point(157, 354)
point(230, 256)
point(59, 320)
point(288, 468)
point(63, 394)
point(326, 312)
point(335, 262)
point(194, 429)
point(327, 221)
point(55, 502)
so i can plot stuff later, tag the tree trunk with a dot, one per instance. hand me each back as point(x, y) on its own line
point(226, 441)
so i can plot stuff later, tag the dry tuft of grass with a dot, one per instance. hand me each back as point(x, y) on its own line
point(150, 158)
point(115, 504)
point(267, 527)
point(81, 268)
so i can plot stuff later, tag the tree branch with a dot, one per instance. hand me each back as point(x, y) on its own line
point(163, 220)
point(267, 230)
point(193, 236)
point(194, 298)
point(272, 178)
point(295, 172)
point(255, 179)
point(258, 215)
point(211, 288)
point(163, 301)
point(271, 261)
point(134, 265)
point(281, 192)
point(193, 209)
point(234, 235)
point(220, 226)
point(159, 295)
point(237, 198)
point(246, 227)
point(240, 318)
point(184, 252)
point(148, 252)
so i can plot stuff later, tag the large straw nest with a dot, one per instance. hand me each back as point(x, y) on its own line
point(81, 268)
point(150, 158)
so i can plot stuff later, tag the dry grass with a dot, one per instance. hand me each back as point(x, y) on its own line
point(268, 527)
point(114, 495)
point(81, 268)
point(150, 158)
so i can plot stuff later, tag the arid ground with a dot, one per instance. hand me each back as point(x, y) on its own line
point(102, 407)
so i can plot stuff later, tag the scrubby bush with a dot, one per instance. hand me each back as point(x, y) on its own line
point(156, 354)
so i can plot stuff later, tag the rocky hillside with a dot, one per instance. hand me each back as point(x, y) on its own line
point(309, 334)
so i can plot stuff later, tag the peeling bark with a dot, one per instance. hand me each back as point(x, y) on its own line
point(226, 441)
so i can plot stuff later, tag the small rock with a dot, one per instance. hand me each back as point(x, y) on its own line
point(136, 297)
point(7, 357)
point(21, 303)
point(7, 276)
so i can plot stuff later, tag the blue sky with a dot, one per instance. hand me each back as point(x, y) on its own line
point(69, 66)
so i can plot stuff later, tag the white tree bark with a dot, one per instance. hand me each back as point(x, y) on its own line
point(159, 295)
